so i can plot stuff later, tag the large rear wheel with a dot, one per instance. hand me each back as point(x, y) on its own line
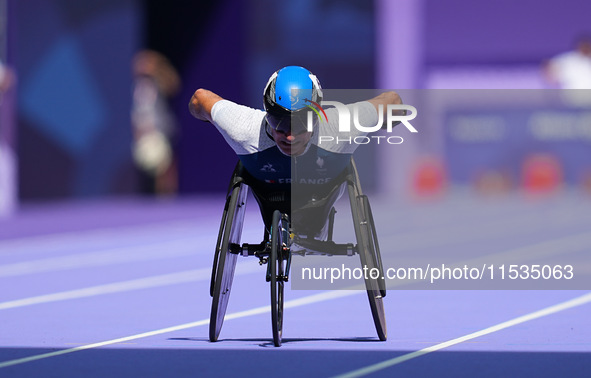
point(369, 254)
point(374, 282)
point(224, 260)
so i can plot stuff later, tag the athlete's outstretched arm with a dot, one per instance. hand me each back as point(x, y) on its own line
point(385, 99)
point(201, 104)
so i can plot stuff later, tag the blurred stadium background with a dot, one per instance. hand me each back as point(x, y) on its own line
point(66, 131)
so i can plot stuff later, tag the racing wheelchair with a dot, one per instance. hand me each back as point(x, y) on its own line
point(275, 249)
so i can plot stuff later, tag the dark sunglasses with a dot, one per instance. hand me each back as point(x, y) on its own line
point(296, 123)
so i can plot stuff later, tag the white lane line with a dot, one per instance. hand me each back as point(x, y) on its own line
point(470, 232)
point(145, 251)
point(578, 301)
point(118, 287)
point(112, 256)
point(81, 239)
point(532, 252)
point(151, 250)
point(324, 296)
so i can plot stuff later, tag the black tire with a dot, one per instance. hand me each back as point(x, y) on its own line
point(368, 255)
point(374, 287)
point(374, 245)
point(224, 260)
point(277, 261)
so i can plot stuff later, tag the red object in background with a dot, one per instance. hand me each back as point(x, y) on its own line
point(542, 173)
point(429, 177)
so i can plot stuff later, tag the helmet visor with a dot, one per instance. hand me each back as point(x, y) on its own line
point(295, 123)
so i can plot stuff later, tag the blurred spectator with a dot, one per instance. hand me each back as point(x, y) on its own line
point(7, 164)
point(154, 125)
point(571, 70)
point(7, 78)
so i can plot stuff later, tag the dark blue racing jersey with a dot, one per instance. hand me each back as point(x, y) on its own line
point(326, 157)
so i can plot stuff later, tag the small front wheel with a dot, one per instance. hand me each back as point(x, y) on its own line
point(279, 249)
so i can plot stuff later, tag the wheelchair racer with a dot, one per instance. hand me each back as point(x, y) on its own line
point(276, 148)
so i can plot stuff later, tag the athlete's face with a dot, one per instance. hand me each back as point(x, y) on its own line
point(289, 143)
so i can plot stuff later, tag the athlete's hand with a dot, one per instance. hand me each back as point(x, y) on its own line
point(385, 99)
point(201, 104)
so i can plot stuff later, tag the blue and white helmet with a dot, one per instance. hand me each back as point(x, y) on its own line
point(287, 95)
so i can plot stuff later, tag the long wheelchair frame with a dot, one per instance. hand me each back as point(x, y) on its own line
point(275, 251)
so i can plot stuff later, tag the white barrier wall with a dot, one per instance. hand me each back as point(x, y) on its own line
point(399, 66)
point(8, 161)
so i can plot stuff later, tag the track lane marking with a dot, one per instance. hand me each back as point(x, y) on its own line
point(162, 250)
point(320, 297)
point(104, 257)
point(123, 286)
point(82, 238)
point(117, 255)
point(578, 301)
